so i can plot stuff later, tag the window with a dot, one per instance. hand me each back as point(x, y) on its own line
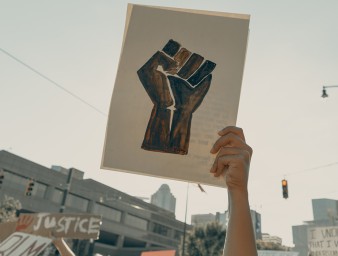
point(57, 195)
point(107, 212)
point(136, 222)
point(177, 235)
point(39, 190)
point(160, 229)
point(77, 202)
point(133, 243)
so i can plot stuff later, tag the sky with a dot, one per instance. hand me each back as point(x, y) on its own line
point(54, 52)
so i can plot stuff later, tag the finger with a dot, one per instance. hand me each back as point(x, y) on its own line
point(181, 57)
point(232, 129)
point(191, 66)
point(230, 140)
point(171, 48)
point(206, 68)
point(245, 151)
point(224, 162)
point(183, 92)
point(227, 152)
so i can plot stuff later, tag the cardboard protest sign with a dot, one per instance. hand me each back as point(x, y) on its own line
point(23, 244)
point(178, 83)
point(323, 241)
point(6, 229)
point(79, 226)
point(159, 253)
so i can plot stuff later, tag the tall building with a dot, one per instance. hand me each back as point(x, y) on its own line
point(324, 209)
point(129, 225)
point(164, 198)
point(324, 214)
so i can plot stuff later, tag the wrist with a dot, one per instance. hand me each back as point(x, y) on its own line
point(156, 137)
point(180, 132)
point(239, 196)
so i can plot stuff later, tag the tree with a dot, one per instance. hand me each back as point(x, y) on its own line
point(8, 209)
point(261, 245)
point(208, 240)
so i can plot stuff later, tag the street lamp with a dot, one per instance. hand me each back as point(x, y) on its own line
point(324, 94)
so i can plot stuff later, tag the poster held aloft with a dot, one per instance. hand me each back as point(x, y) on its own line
point(60, 225)
point(178, 83)
point(159, 253)
point(23, 244)
point(323, 241)
point(6, 229)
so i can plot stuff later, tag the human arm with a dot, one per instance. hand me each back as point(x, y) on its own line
point(233, 163)
point(62, 247)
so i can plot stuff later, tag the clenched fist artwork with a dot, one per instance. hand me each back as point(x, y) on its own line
point(176, 81)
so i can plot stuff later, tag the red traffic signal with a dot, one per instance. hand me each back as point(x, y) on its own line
point(285, 188)
point(29, 188)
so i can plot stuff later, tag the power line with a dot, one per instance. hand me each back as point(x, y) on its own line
point(53, 82)
point(311, 169)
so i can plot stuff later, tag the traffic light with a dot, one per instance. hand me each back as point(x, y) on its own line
point(285, 188)
point(2, 176)
point(29, 188)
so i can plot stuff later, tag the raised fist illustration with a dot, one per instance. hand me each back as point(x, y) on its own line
point(176, 81)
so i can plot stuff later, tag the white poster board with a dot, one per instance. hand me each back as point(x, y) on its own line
point(323, 241)
point(23, 244)
point(178, 83)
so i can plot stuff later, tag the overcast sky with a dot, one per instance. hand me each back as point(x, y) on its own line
point(292, 53)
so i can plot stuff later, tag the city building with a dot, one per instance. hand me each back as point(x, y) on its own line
point(164, 198)
point(324, 214)
point(267, 238)
point(222, 218)
point(129, 225)
point(324, 209)
point(205, 219)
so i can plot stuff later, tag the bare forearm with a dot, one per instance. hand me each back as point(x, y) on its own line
point(233, 162)
point(240, 240)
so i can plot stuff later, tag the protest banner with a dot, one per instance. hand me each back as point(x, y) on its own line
point(66, 225)
point(178, 83)
point(23, 244)
point(323, 241)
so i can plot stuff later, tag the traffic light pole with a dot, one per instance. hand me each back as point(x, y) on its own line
point(65, 193)
point(185, 221)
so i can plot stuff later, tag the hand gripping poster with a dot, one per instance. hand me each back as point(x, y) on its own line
point(178, 83)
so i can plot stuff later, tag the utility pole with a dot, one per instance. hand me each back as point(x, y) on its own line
point(66, 191)
point(185, 221)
